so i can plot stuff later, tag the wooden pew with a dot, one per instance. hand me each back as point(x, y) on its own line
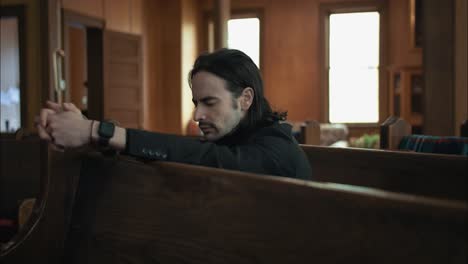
point(129, 212)
point(394, 129)
point(41, 240)
point(437, 175)
point(19, 166)
point(443, 176)
point(392, 132)
point(464, 128)
point(306, 132)
point(311, 132)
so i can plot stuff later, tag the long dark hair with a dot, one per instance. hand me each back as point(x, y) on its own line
point(239, 72)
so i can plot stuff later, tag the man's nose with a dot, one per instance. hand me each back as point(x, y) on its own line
point(199, 114)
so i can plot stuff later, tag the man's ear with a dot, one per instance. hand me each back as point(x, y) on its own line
point(247, 98)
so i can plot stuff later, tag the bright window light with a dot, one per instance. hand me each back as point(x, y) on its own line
point(354, 68)
point(244, 35)
point(10, 117)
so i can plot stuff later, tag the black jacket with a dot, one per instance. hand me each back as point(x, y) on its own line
point(268, 150)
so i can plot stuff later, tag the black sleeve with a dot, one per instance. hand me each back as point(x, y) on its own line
point(267, 155)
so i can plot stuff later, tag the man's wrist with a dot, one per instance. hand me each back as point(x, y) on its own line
point(94, 138)
point(118, 141)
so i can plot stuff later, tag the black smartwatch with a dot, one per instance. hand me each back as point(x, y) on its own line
point(106, 132)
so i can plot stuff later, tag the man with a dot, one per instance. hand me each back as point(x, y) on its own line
point(240, 130)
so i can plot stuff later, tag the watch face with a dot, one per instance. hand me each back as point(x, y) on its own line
point(106, 129)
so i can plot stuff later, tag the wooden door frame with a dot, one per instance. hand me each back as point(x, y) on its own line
point(347, 7)
point(207, 17)
point(94, 29)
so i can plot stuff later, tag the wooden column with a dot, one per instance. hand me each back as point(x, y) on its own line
point(221, 17)
point(461, 63)
point(438, 32)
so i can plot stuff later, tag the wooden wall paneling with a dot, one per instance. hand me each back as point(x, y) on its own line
point(221, 16)
point(162, 48)
point(189, 51)
point(123, 70)
point(77, 65)
point(93, 8)
point(461, 63)
point(95, 73)
point(401, 53)
point(169, 55)
point(151, 28)
point(136, 16)
point(291, 53)
point(438, 67)
point(118, 15)
point(384, 62)
point(170, 88)
point(90, 57)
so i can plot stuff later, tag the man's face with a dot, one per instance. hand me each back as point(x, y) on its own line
point(216, 111)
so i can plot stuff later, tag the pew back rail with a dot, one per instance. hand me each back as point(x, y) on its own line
point(129, 212)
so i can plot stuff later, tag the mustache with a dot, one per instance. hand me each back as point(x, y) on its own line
point(205, 125)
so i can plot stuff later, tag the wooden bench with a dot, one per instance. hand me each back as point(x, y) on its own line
point(311, 132)
point(443, 176)
point(436, 175)
point(41, 239)
point(394, 132)
point(20, 161)
point(20, 166)
point(129, 212)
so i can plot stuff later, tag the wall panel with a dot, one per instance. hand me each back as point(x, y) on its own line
point(117, 14)
point(461, 63)
point(93, 8)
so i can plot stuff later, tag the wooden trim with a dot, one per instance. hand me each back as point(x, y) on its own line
point(95, 72)
point(413, 20)
point(18, 11)
point(405, 93)
point(220, 17)
point(52, 32)
point(438, 67)
point(71, 17)
point(94, 45)
point(345, 7)
point(258, 13)
point(324, 55)
point(236, 13)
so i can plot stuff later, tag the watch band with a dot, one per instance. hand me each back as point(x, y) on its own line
point(105, 132)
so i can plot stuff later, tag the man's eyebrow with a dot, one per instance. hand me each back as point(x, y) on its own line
point(205, 99)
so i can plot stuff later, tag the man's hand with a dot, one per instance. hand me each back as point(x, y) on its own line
point(63, 125)
point(68, 129)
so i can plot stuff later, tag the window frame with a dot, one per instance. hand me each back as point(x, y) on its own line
point(235, 14)
point(18, 11)
point(339, 8)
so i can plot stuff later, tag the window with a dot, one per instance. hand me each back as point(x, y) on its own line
point(353, 67)
point(244, 35)
point(10, 84)
point(243, 30)
point(353, 71)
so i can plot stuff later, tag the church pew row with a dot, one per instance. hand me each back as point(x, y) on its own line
point(435, 175)
point(125, 211)
point(41, 239)
point(20, 163)
point(395, 133)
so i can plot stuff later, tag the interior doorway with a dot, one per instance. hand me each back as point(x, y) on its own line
point(83, 46)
